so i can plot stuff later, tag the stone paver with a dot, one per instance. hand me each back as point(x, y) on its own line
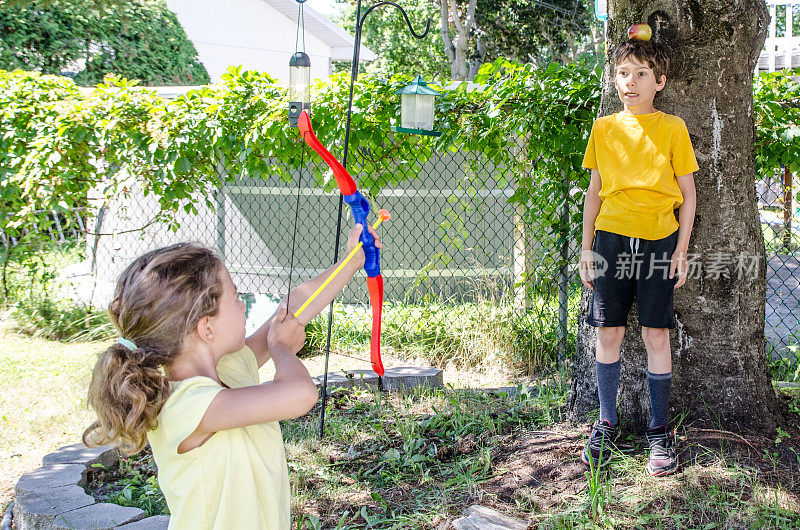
point(80, 454)
point(49, 477)
point(479, 517)
point(409, 377)
point(159, 522)
point(102, 516)
point(39, 509)
point(349, 379)
point(52, 496)
point(394, 379)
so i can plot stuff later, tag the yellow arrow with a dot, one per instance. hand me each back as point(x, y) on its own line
point(383, 215)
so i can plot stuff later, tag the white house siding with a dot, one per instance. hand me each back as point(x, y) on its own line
point(782, 45)
point(247, 32)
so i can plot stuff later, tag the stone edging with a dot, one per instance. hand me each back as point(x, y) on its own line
point(397, 379)
point(52, 496)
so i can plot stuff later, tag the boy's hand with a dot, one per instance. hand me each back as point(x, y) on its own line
point(286, 332)
point(352, 241)
point(679, 267)
point(587, 269)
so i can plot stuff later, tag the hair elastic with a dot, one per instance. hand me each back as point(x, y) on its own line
point(127, 343)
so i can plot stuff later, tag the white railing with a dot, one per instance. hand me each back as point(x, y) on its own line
point(68, 226)
point(782, 47)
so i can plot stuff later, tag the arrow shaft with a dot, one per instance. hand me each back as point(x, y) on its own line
point(335, 273)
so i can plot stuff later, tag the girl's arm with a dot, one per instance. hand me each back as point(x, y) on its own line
point(591, 209)
point(258, 340)
point(290, 394)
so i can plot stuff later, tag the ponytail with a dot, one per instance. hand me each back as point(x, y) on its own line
point(127, 392)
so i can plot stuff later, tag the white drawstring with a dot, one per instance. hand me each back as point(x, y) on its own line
point(635, 250)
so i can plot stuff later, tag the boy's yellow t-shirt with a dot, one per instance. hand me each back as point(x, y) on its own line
point(238, 478)
point(639, 158)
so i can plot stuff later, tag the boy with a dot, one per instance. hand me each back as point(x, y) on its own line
point(642, 165)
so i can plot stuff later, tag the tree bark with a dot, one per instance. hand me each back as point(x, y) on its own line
point(720, 374)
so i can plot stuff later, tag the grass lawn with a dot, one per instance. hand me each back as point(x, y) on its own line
point(417, 460)
point(42, 405)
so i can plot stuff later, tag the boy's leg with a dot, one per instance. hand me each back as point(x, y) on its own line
point(659, 373)
point(609, 341)
point(611, 300)
point(655, 291)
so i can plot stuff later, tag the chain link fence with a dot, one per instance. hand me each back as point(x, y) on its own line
point(453, 238)
point(779, 212)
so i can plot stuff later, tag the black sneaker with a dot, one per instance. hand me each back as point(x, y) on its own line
point(600, 443)
point(663, 458)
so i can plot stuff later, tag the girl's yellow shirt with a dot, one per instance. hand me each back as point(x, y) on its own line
point(238, 478)
point(639, 158)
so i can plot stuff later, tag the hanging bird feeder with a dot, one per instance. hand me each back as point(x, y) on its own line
point(299, 85)
point(417, 108)
point(299, 71)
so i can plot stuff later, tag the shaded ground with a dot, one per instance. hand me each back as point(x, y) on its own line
point(541, 469)
point(540, 476)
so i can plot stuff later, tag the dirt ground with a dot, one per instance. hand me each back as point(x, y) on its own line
point(543, 470)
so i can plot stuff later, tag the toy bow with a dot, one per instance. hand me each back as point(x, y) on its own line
point(360, 208)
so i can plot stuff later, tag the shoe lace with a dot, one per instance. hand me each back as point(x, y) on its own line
point(601, 432)
point(659, 445)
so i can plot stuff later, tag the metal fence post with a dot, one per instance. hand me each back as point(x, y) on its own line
point(219, 199)
point(563, 280)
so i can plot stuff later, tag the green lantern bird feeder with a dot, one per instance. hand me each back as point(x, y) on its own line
point(417, 108)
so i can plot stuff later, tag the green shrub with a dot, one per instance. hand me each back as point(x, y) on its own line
point(33, 300)
point(466, 335)
point(138, 39)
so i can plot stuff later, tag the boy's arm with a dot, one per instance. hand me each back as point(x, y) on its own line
point(686, 222)
point(258, 340)
point(591, 208)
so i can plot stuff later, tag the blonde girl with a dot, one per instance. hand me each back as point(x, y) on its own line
point(184, 378)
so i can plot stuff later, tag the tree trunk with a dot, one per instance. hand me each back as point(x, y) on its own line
point(457, 48)
point(720, 374)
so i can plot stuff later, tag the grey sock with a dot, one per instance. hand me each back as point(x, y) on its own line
point(607, 384)
point(659, 398)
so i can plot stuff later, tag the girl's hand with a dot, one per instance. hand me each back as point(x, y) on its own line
point(286, 332)
point(352, 241)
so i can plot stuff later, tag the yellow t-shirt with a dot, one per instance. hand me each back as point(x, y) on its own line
point(639, 158)
point(238, 478)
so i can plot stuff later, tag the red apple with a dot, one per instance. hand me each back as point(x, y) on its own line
point(640, 31)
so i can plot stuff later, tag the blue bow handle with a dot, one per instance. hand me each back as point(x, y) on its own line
point(359, 206)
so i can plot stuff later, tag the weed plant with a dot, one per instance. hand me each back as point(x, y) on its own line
point(416, 460)
point(405, 461)
point(131, 482)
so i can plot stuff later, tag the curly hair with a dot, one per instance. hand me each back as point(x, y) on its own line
point(655, 55)
point(157, 302)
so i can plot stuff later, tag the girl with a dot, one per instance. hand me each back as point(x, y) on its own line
point(184, 378)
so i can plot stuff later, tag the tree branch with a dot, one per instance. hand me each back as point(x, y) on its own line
point(449, 49)
point(456, 17)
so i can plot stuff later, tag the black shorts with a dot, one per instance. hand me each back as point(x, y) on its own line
point(628, 268)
